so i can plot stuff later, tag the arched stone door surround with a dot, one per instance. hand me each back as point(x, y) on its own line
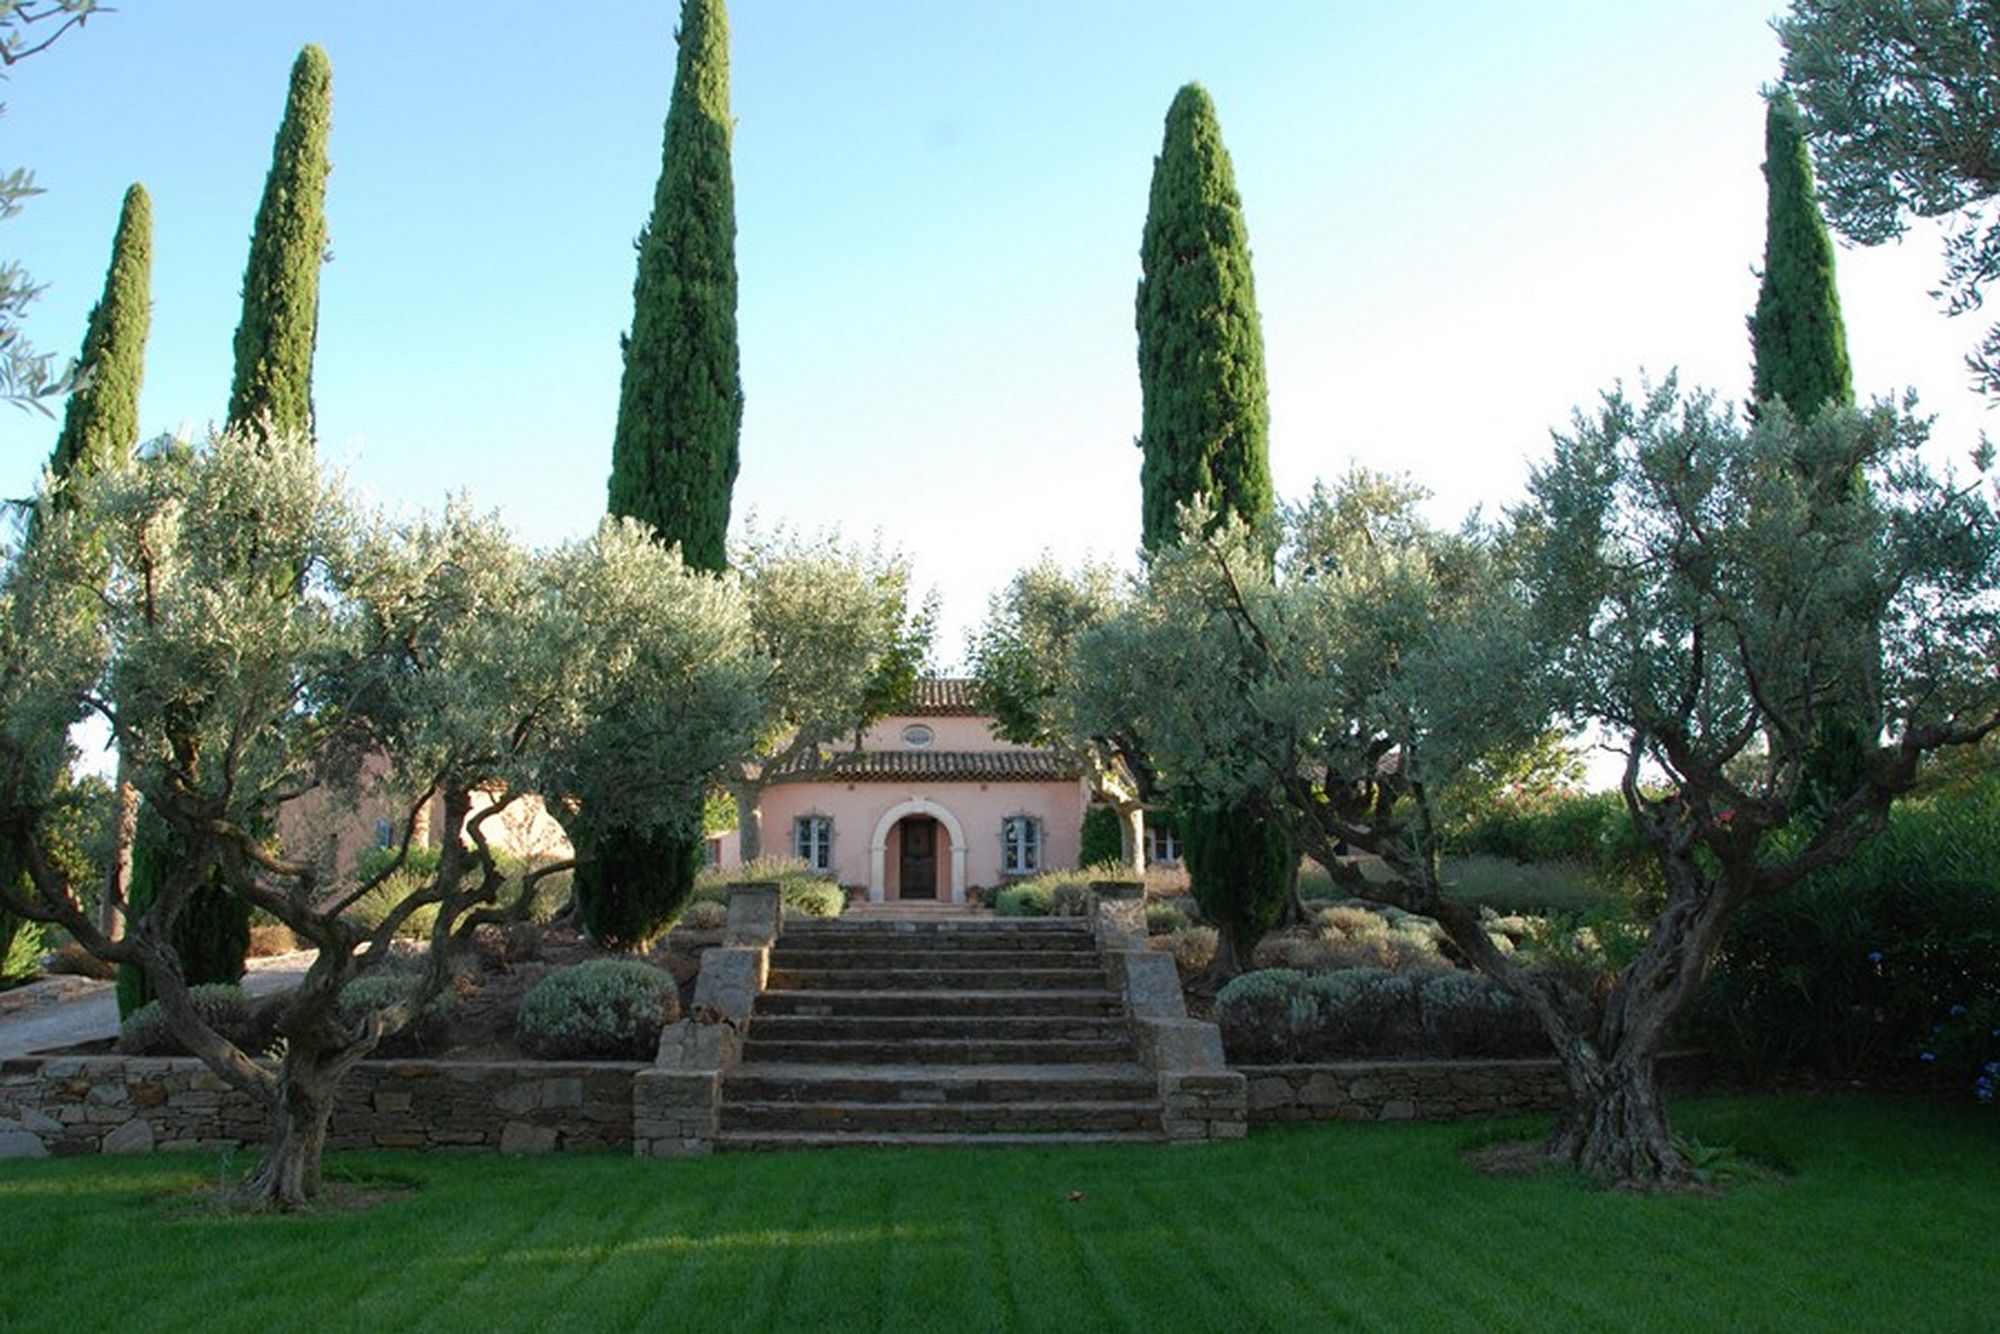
point(878, 849)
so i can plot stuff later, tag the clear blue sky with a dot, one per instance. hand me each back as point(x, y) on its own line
point(1464, 224)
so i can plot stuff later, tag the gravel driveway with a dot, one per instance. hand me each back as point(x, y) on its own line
point(60, 1011)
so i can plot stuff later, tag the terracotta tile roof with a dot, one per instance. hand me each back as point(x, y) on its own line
point(942, 696)
point(935, 766)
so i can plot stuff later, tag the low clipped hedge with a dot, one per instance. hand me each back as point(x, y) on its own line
point(602, 1010)
point(222, 1006)
point(1281, 1015)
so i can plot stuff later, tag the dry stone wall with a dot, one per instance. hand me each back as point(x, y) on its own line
point(1421, 1090)
point(119, 1104)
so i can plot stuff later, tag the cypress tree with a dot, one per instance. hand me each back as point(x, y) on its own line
point(100, 428)
point(1797, 337)
point(1205, 423)
point(101, 422)
point(1799, 346)
point(280, 322)
point(680, 410)
point(680, 405)
point(1205, 432)
point(1101, 839)
point(271, 390)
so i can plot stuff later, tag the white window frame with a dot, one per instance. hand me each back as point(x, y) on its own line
point(812, 840)
point(1021, 845)
point(1161, 839)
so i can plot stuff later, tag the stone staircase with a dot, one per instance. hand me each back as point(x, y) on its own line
point(937, 1030)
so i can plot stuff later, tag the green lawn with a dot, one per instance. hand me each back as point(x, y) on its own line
point(1890, 1222)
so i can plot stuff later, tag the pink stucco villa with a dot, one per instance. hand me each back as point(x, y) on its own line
point(928, 806)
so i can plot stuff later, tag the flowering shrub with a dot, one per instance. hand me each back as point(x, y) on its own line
point(1857, 967)
point(1966, 1045)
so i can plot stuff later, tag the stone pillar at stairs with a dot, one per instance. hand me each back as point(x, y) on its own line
point(677, 1104)
point(1201, 1097)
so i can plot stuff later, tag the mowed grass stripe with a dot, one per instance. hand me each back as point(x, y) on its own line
point(1888, 1224)
point(613, 1238)
point(643, 1291)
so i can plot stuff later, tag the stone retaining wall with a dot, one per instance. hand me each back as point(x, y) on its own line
point(1401, 1090)
point(122, 1104)
point(1420, 1090)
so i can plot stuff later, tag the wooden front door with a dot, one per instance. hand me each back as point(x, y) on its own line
point(919, 860)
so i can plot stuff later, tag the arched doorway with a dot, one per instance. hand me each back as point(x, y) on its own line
point(929, 843)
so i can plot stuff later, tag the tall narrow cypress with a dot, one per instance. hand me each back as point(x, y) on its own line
point(1205, 421)
point(100, 431)
point(280, 321)
point(1797, 337)
point(680, 405)
point(101, 423)
point(271, 390)
point(680, 411)
point(1205, 433)
point(1799, 344)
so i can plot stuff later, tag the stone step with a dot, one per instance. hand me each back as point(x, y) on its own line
point(878, 936)
point(908, 1085)
point(940, 1051)
point(778, 1141)
point(964, 1118)
point(891, 1028)
point(1082, 1002)
point(935, 979)
point(787, 957)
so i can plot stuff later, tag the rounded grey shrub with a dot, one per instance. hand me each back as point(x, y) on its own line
point(1466, 1014)
point(705, 915)
point(1283, 1014)
point(220, 1005)
point(427, 1030)
point(603, 1010)
point(813, 898)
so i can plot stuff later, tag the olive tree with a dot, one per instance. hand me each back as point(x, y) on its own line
point(843, 643)
point(261, 639)
point(1676, 579)
point(27, 378)
point(1024, 665)
point(1901, 101)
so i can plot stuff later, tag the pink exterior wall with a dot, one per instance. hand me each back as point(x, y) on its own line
point(976, 808)
point(336, 833)
point(951, 732)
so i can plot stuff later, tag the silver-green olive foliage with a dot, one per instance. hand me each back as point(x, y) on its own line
point(1381, 658)
point(1025, 666)
point(843, 641)
point(1901, 100)
point(262, 638)
point(1677, 580)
